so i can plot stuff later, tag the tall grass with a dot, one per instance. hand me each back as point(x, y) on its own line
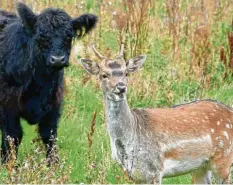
point(189, 47)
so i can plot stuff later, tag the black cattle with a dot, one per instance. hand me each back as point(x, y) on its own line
point(34, 49)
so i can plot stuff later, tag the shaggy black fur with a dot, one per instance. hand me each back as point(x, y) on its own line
point(30, 86)
point(6, 18)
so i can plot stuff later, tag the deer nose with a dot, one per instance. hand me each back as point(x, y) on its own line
point(121, 88)
point(57, 60)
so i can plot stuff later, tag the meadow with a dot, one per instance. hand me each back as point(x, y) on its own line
point(189, 48)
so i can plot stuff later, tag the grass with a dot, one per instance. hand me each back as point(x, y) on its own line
point(88, 164)
point(183, 64)
point(84, 164)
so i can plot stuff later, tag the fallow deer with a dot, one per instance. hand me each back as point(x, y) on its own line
point(150, 144)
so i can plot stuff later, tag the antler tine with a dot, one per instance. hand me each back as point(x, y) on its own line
point(122, 50)
point(96, 52)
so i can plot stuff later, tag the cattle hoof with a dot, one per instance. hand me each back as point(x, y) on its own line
point(53, 160)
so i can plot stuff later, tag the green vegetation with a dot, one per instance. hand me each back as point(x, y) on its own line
point(188, 48)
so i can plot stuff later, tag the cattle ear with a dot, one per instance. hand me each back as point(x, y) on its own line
point(135, 63)
point(90, 66)
point(26, 15)
point(84, 24)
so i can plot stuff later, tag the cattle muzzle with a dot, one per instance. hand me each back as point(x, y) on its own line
point(58, 61)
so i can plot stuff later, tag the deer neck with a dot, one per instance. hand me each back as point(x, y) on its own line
point(120, 120)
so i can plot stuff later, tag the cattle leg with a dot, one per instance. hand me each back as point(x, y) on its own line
point(11, 135)
point(48, 132)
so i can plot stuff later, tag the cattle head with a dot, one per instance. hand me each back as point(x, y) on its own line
point(52, 32)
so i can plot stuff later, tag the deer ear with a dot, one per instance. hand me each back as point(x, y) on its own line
point(26, 15)
point(90, 66)
point(135, 63)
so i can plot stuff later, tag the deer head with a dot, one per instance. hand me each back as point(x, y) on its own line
point(112, 73)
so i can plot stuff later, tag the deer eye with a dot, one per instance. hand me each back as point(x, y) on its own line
point(104, 76)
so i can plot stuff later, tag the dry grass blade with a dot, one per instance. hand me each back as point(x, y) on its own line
point(223, 56)
point(92, 129)
point(230, 41)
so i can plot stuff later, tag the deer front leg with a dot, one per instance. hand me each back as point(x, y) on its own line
point(151, 171)
point(202, 177)
point(154, 178)
point(148, 177)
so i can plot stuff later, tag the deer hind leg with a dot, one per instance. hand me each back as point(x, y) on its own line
point(202, 177)
point(223, 176)
point(222, 171)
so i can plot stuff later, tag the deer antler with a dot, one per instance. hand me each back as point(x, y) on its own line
point(96, 52)
point(121, 50)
